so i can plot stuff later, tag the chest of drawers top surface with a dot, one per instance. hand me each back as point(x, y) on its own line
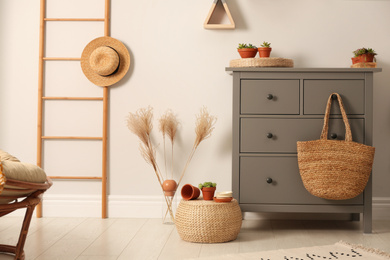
point(275, 69)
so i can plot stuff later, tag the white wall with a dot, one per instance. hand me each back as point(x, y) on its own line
point(175, 64)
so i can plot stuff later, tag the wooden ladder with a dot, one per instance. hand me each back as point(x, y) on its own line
point(41, 99)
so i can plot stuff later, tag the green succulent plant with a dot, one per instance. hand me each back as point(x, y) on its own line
point(266, 44)
point(207, 185)
point(245, 46)
point(363, 50)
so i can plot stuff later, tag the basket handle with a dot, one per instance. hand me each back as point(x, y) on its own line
point(324, 134)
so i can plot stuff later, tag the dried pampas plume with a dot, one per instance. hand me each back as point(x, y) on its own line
point(140, 124)
point(204, 126)
point(168, 127)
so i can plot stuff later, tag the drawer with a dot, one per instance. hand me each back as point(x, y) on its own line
point(285, 133)
point(316, 93)
point(286, 186)
point(270, 97)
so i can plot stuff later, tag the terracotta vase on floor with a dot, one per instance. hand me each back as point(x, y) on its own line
point(169, 187)
point(169, 203)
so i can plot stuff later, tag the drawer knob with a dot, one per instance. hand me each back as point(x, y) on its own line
point(333, 136)
point(270, 96)
point(269, 135)
point(269, 180)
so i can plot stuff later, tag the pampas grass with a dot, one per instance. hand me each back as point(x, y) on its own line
point(204, 126)
point(140, 124)
point(168, 127)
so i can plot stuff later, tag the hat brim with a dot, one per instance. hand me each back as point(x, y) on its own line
point(124, 61)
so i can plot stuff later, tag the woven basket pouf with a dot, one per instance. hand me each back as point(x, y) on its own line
point(205, 221)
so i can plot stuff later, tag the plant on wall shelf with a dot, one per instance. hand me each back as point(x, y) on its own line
point(140, 124)
point(247, 50)
point(363, 55)
point(266, 45)
point(265, 50)
point(246, 46)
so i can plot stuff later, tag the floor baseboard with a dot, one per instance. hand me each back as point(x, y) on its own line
point(151, 207)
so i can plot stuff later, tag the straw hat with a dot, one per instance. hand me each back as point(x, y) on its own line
point(105, 61)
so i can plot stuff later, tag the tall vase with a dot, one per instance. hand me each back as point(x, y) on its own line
point(169, 201)
point(169, 206)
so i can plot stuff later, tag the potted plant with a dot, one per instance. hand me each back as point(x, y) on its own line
point(363, 55)
point(247, 50)
point(208, 189)
point(265, 50)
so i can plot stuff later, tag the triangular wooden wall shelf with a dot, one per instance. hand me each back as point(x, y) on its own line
point(207, 25)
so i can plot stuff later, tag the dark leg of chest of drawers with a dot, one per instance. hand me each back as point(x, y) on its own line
point(273, 108)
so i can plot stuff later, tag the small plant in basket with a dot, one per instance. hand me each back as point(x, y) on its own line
point(247, 50)
point(208, 189)
point(140, 123)
point(265, 50)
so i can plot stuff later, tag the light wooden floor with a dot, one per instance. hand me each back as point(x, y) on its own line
point(125, 239)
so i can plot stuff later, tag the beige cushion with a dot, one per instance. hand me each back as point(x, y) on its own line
point(16, 170)
point(23, 172)
point(4, 156)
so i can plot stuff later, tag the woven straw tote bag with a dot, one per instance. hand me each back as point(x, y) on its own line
point(335, 169)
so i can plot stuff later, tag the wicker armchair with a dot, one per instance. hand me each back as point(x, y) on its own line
point(19, 194)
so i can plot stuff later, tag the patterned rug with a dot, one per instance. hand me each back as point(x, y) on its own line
point(340, 251)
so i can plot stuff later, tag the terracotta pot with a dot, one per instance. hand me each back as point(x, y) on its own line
point(169, 187)
point(264, 52)
point(247, 52)
point(368, 57)
point(355, 60)
point(189, 192)
point(208, 193)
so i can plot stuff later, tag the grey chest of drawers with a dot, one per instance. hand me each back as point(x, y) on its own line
point(273, 108)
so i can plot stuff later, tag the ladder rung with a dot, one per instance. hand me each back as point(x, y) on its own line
point(72, 98)
point(61, 58)
point(72, 137)
point(76, 177)
point(76, 19)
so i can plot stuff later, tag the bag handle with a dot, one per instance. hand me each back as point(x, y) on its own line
point(324, 134)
